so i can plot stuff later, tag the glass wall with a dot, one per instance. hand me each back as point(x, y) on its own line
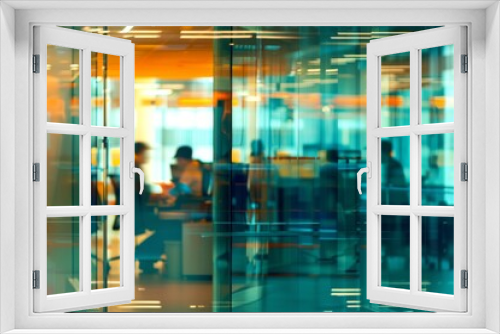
point(250, 138)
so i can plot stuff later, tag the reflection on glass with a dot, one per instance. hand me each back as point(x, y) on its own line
point(395, 89)
point(250, 148)
point(105, 172)
point(105, 90)
point(63, 170)
point(395, 170)
point(437, 254)
point(63, 84)
point(105, 252)
point(395, 243)
point(63, 255)
point(437, 169)
point(437, 84)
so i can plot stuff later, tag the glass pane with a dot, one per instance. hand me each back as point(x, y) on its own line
point(437, 85)
point(105, 90)
point(63, 255)
point(105, 178)
point(63, 170)
point(395, 264)
point(276, 123)
point(63, 84)
point(395, 170)
point(437, 169)
point(395, 89)
point(437, 254)
point(105, 252)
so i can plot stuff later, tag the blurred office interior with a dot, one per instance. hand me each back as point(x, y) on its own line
point(250, 139)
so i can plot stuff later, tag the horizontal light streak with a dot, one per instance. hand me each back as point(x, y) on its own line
point(389, 32)
point(354, 33)
point(215, 36)
point(232, 32)
point(142, 36)
point(353, 301)
point(345, 294)
point(144, 32)
point(346, 289)
point(146, 302)
point(351, 37)
point(127, 29)
point(355, 55)
point(140, 306)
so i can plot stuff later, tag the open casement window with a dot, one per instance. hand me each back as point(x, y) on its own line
point(83, 165)
point(416, 190)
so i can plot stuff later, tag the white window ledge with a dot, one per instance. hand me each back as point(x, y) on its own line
point(250, 331)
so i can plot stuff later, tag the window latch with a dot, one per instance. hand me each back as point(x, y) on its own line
point(138, 171)
point(368, 171)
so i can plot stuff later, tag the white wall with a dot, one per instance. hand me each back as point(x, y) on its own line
point(7, 185)
point(492, 150)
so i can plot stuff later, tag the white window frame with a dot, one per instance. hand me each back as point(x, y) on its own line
point(476, 320)
point(85, 297)
point(413, 43)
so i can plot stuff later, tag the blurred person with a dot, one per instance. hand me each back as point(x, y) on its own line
point(258, 178)
point(150, 248)
point(394, 185)
point(189, 180)
point(395, 191)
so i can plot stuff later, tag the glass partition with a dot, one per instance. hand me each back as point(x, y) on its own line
point(250, 139)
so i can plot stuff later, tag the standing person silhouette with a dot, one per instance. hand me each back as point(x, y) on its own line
point(395, 190)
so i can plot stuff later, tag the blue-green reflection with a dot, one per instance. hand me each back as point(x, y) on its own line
point(437, 84)
point(395, 89)
point(437, 254)
point(438, 169)
point(395, 243)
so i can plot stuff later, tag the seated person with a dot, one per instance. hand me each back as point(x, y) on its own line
point(190, 176)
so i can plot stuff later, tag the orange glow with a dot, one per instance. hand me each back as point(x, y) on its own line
point(441, 102)
point(350, 101)
point(393, 101)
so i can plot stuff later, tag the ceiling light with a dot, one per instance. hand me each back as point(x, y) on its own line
point(215, 36)
point(126, 29)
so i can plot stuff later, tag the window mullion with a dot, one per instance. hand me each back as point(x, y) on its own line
point(85, 160)
point(414, 170)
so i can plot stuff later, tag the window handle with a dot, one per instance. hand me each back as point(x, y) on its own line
point(133, 170)
point(368, 171)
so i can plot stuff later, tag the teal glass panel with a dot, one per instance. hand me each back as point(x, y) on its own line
point(105, 171)
point(63, 170)
point(437, 254)
point(251, 138)
point(438, 84)
point(105, 248)
point(395, 170)
point(395, 89)
point(438, 169)
point(395, 243)
point(63, 84)
point(63, 255)
point(105, 90)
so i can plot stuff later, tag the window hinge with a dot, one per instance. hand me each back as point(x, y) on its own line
point(36, 63)
point(36, 172)
point(465, 279)
point(36, 279)
point(464, 171)
point(465, 64)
